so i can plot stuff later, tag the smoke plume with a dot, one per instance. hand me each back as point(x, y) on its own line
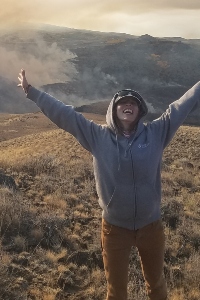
point(44, 64)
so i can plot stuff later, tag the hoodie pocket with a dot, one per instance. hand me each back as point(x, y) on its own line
point(122, 204)
point(147, 201)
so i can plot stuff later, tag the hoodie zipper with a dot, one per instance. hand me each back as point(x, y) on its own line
point(133, 174)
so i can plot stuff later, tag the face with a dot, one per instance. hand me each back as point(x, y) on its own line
point(127, 112)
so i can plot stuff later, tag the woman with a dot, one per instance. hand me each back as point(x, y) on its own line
point(127, 158)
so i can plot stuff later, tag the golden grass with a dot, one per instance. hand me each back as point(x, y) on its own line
point(54, 216)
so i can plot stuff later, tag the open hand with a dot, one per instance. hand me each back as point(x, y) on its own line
point(23, 81)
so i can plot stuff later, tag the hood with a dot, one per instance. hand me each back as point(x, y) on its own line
point(109, 115)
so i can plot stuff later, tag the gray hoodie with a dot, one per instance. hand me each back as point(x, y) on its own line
point(127, 170)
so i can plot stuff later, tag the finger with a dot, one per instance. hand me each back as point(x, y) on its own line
point(19, 84)
point(23, 72)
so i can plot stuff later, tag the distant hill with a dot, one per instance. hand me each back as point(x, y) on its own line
point(101, 108)
point(161, 69)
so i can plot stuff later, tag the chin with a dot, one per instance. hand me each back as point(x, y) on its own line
point(129, 120)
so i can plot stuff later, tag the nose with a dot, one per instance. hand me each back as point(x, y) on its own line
point(131, 103)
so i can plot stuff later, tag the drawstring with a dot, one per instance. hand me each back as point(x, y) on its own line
point(129, 145)
point(126, 150)
point(118, 154)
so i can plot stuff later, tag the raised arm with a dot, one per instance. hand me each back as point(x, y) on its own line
point(166, 126)
point(64, 116)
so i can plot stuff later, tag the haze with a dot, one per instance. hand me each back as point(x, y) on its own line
point(157, 18)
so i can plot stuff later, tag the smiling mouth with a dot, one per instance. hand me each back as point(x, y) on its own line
point(127, 111)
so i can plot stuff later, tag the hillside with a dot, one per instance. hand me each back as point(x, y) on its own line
point(101, 108)
point(50, 225)
point(81, 67)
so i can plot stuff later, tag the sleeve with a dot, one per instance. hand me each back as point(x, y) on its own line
point(166, 126)
point(66, 118)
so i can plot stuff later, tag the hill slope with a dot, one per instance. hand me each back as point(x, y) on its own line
point(50, 226)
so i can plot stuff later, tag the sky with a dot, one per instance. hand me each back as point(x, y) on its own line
point(159, 18)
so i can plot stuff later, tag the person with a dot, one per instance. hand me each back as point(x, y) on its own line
point(127, 156)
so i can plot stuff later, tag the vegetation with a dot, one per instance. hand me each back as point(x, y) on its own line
point(50, 226)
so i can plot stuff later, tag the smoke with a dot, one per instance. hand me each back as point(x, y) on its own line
point(44, 64)
point(71, 99)
point(13, 100)
point(91, 85)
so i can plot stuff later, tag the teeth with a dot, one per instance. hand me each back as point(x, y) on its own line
point(128, 111)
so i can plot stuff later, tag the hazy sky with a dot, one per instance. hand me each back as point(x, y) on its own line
point(156, 17)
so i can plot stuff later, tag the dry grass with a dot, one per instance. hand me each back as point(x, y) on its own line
point(50, 227)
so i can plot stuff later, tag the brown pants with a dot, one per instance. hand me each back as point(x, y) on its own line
point(116, 246)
